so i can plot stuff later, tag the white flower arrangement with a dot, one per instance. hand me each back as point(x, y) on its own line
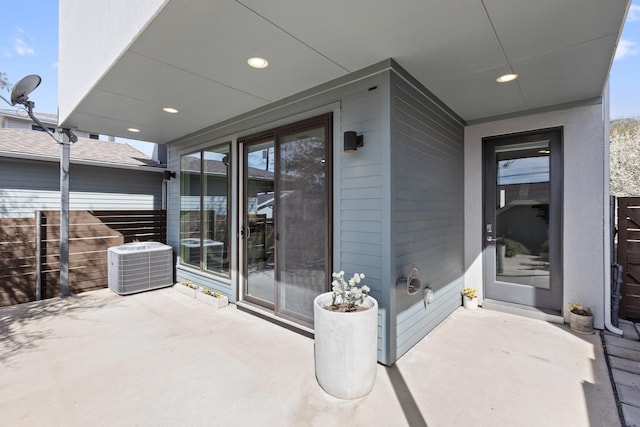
point(469, 293)
point(346, 294)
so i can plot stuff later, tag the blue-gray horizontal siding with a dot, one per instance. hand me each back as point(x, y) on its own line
point(360, 186)
point(363, 200)
point(428, 208)
point(27, 186)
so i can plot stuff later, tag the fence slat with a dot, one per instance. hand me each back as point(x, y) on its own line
point(629, 255)
point(91, 234)
point(17, 260)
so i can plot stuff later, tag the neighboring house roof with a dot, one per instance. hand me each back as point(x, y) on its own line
point(216, 167)
point(36, 145)
point(20, 113)
point(255, 173)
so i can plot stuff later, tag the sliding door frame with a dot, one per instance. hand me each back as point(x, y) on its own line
point(275, 135)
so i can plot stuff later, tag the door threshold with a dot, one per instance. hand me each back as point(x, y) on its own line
point(547, 315)
point(268, 315)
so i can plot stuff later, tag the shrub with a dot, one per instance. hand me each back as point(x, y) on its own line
point(514, 248)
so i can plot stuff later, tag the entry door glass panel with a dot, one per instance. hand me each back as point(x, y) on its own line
point(302, 210)
point(259, 226)
point(522, 215)
point(522, 229)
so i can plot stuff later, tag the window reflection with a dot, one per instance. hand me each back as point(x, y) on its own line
point(522, 215)
point(204, 200)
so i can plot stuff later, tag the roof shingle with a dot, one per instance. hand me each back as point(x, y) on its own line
point(30, 142)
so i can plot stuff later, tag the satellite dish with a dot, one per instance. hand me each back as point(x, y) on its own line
point(23, 88)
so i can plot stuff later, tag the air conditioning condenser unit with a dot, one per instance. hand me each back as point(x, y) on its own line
point(138, 267)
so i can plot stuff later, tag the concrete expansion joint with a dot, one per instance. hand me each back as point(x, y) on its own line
point(623, 360)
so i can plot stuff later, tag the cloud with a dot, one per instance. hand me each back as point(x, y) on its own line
point(634, 13)
point(55, 64)
point(626, 48)
point(20, 46)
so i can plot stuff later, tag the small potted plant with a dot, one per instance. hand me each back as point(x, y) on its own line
point(212, 298)
point(580, 318)
point(346, 338)
point(469, 298)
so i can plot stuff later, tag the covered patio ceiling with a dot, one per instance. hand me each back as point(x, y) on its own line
point(192, 55)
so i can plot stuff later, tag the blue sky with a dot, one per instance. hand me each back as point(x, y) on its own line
point(29, 45)
point(624, 82)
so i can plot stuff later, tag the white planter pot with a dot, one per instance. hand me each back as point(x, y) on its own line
point(190, 292)
point(212, 301)
point(346, 348)
point(469, 304)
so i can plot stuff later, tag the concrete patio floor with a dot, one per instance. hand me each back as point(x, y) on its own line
point(163, 359)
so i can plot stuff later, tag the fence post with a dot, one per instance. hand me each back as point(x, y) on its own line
point(623, 204)
point(38, 255)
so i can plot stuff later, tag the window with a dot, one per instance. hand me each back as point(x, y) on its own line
point(38, 128)
point(204, 208)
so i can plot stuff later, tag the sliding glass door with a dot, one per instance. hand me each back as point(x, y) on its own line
point(258, 229)
point(286, 220)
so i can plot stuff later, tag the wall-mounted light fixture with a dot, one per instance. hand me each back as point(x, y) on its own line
point(352, 141)
point(167, 175)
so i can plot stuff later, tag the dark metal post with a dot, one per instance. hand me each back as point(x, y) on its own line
point(64, 215)
point(38, 255)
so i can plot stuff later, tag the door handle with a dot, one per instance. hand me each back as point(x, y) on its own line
point(491, 239)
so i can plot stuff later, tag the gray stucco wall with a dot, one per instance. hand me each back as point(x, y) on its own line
point(585, 205)
point(427, 209)
point(27, 186)
point(111, 25)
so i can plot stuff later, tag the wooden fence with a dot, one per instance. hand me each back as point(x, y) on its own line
point(629, 255)
point(30, 250)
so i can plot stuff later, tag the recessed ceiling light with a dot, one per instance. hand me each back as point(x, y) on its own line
point(507, 78)
point(170, 110)
point(134, 130)
point(257, 62)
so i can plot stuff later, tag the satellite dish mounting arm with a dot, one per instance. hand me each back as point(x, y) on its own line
point(19, 95)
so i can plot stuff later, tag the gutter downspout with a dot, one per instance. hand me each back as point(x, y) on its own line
point(609, 215)
point(607, 283)
point(607, 288)
point(164, 194)
point(617, 296)
point(607, 311)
